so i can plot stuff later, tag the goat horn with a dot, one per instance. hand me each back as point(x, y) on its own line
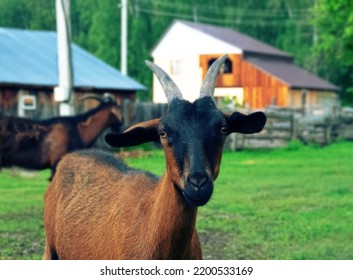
point(209, 82)
point(93, 96)
point(170, 88)
point(108, 97)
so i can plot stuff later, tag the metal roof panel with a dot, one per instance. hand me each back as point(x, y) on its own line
point(30, 58)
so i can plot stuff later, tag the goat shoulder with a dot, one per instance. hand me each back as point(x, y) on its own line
point(90, 178)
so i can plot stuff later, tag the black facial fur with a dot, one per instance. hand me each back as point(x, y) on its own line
point(193, 130)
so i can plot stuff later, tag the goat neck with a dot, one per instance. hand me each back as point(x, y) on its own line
point(172, 223)
point(91, 127)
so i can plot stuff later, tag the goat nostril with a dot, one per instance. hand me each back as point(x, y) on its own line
point(197, 181)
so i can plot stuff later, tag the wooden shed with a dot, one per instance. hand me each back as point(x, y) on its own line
point(255, 75)
point(29, 73)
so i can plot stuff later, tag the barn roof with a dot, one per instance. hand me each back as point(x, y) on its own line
point(291, 74)
point(246, 43)
point(263, 56)
point(29, 57)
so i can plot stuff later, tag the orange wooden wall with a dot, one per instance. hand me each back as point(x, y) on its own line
point(260, 88)
point(224, 80)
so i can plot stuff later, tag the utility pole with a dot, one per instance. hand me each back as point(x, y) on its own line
point(194, 12)
point(124, 37)
point(63, 92)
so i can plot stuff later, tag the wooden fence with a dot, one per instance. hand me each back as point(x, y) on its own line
point(284, 125)
point(134, 112)
point(313, 125)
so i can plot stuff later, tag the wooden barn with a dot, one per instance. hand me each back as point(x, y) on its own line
point(256, 74)
point(29, 73)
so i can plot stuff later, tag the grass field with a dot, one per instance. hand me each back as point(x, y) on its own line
point(292, 203)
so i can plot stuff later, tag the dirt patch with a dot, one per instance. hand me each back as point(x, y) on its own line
point(218, 245)
point(213, 245)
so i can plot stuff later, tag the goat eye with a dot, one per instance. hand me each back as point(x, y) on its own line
point(224, 130)
point(163, 134)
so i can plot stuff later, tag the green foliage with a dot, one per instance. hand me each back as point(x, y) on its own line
point(334, 23)
point(318, 33)
point(28, 14)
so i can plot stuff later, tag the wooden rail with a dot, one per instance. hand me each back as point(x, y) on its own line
point(283, 125)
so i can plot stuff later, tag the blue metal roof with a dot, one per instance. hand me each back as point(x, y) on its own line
point(29, 57)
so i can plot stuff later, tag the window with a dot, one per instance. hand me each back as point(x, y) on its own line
point(226, 67)
point(176, 67)
point(28, 102)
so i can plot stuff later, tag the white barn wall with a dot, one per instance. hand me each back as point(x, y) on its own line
point(188, 80)
point(184, 44)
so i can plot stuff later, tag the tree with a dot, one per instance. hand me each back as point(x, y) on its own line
point(333, 52)
point(306, 29)
point(28, 14)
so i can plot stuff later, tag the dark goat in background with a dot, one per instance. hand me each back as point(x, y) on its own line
point(40, 144)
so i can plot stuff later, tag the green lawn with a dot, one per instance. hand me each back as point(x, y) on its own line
point(293, 203)
point(21, 208)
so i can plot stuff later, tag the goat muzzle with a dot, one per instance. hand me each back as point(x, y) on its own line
point(197, 189)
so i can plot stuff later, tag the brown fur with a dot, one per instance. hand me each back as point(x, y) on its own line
point(150, 224)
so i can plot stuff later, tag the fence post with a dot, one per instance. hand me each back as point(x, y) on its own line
point(294, 127)
point(328, 130)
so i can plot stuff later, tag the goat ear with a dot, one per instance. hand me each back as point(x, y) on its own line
point(137, 134)
point(246, 124)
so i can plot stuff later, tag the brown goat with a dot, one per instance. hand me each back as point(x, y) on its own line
point(97, 207)
point(41, 144)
